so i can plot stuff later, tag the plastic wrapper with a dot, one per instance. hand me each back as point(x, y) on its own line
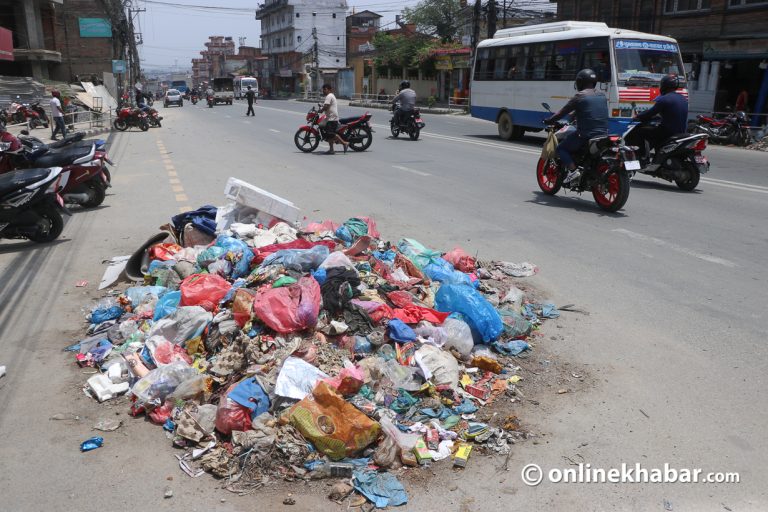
point(348, 381)
point(335, 427)
point(432, 334)
point(337, 259)
point(242, 306)
point(137, 294)
point(166, 305)
point(162, 381)
point(297, 378)
point(232, 416)
point(164, 352)
point(420, 255)
point(290, 308)
point(204, 290)
point(185, 323)
point(515, 324)
point(441, 365)
point(479, 314)
point(238, 253)
point(459, 336)
point(401, 377)
point(302, 260)
point(460, 260)
point(163, 251)
point(209, 255)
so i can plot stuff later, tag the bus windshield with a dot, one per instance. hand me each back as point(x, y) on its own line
point(643, 63)
point(248, 81)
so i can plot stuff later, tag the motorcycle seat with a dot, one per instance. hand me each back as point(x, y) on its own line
point(63, 156)
point(16, 180)
point(347, 120)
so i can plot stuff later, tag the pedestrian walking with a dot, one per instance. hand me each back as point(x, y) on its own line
point(58, 115)
point(249, 97)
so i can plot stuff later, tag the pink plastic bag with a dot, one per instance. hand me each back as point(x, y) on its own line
point(290, 308)
point(204, 290)
point(460, 260)
point(348, 381)
point(232, 416)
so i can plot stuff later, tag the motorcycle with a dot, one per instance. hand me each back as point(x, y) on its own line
point(154, 117)
point(354, 130)
point(210, 100)
point(194, 99)
point(75, 140)
point(677, 159)
point(34, 115)
point(86, 182)
point(30, 205)
point(410, 123)
point(606, 161)
point(733, 129)
point(128, 116)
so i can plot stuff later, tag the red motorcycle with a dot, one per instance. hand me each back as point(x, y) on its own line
point(129, 116)
point(354, 130)
point(733, 129)
point(83, 180)
point(34, 115)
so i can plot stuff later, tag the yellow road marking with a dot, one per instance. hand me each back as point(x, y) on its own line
point(174, 181)
point(177, 188)
point(181, 198)
point(172, 173)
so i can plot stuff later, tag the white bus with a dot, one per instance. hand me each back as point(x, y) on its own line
point(242, 83)
point(522, 67)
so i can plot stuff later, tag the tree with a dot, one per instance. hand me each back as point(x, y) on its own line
point(440, 18)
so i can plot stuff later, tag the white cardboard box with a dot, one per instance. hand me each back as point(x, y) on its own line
point(253, 197)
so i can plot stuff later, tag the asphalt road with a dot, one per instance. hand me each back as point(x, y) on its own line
point(675, 283)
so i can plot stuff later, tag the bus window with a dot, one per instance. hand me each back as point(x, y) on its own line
point(564, 63)
point(594, 55)
point(481, 65)
point(516, 67)
point(538, 56)
point(500, 68)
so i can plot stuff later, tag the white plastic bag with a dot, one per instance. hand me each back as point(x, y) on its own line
point(297, 378)
point(459, 336)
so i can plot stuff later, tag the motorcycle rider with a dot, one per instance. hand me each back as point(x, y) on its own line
point(407, 98)
point(591, 108)
point(673, 109)
point(209, 93)
point(331, 109)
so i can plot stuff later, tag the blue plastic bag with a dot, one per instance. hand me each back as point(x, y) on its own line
point(480, 315)
point(442, 271)
point(302, 260)
point(382, 489)
point(209, 255)
point(511, 347)
point(166, 305)
point(238, 253)
point(420, 255)
point(250, 395)
point(387, 256)
point(319, 275)
point(91, 444)
point(400, 332)
point(103, 314)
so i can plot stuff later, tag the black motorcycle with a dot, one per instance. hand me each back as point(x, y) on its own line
point(410, 123)
point(605, 160)
point(677, 159)
point(30, 205)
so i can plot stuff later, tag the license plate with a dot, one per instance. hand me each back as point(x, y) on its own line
point(632, 165)
point(700, 159)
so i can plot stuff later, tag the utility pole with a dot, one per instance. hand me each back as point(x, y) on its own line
point(504, 15)
point(491, 18)
point(476, 25)
point(134, 66)
point(316, 54)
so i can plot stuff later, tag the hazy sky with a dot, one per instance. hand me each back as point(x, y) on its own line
point(174, 35)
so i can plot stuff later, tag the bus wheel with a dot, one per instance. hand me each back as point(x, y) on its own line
point(506, 128)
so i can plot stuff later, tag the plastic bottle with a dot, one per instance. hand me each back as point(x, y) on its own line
point(333, 470)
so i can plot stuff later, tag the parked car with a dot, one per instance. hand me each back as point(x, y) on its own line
point(173, 97)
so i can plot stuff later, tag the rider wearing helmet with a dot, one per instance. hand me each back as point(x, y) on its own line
point(9, 138)
point(591, 108)
point(407, 98)
point(673, 109)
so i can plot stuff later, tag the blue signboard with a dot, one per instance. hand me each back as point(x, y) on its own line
point(95, 27)
point(118, 67)
point(626, 44)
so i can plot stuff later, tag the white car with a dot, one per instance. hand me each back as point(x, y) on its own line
point(172, 96)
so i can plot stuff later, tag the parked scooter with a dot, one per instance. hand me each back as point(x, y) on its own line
point(355, 130)
point(733, 129)
point(607, 165)
point(410, 123)
point(30, 206)
point(677, 159)
point(74, 140)
point(86, 183)
point(129, 116)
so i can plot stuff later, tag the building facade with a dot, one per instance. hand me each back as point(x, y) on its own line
point(361, 28)
point(724, 43)
point(297, 35)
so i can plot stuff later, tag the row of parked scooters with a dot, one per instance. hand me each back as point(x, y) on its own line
point(39, 180)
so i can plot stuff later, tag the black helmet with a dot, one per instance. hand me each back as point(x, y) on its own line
point(669, 83)
point(585, 79)
point(405, 84)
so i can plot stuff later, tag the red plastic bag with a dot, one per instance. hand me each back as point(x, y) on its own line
point(290, 308)
point(232, 416)
point(161, 414)
point(163, 252)
point(460, 260)
point(204, 290)
point(242, 306)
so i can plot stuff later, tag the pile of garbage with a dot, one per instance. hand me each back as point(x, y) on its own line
point(761, 144)
point(285, 352)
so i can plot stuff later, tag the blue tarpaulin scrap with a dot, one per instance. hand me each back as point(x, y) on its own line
point(249, 393)
point(510, 348)
point(398, 331)
point(382, 489)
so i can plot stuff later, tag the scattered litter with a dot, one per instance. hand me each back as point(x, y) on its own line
point(81, 284)
point(91, 444)
point(107, 425)
point(168, 493)
point(268, 350)
point(2, 371)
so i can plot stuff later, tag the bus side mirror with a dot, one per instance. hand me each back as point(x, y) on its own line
point(546, 107)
